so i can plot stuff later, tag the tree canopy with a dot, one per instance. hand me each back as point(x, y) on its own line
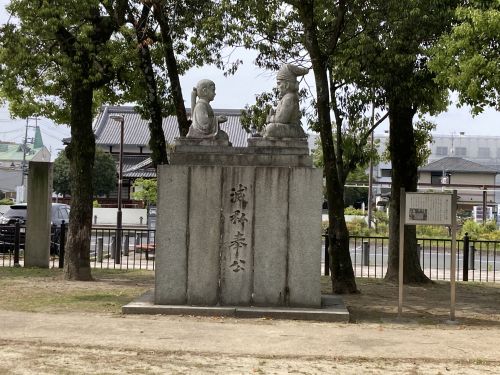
point(103, 174)
point(467, 59)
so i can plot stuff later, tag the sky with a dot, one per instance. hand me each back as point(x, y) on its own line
point(234, 93)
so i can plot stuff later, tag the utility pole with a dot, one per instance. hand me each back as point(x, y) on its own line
point(25, 149)
point(370, 172)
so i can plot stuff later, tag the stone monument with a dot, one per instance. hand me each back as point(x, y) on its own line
point(240, 226)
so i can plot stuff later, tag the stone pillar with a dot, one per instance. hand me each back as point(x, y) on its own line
point(37, 248)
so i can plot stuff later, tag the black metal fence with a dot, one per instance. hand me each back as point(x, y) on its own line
point(476, 260)
point(136, 250)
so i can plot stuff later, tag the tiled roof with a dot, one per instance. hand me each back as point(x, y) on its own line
point(136, 130)
point(13, 151)
point(455, 164)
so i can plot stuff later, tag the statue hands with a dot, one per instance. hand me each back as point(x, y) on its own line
point(270, 116)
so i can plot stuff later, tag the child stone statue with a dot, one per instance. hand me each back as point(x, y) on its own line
point(284, 121)
point(204, 123)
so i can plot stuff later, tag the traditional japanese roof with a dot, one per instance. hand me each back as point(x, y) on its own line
point(456, 164)
point(136, 129)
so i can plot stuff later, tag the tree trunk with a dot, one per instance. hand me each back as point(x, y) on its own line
point(172, 70)
point(157, 142)
point(342, 273)
point(404, 174)
point(80, 153)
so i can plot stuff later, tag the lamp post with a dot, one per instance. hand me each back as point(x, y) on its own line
point(118, 248)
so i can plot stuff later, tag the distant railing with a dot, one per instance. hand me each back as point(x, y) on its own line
point(476, 260)
point(137, 250)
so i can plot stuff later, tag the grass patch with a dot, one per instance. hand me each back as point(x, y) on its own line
point(45, 290)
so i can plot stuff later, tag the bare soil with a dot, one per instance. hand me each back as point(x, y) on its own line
point(52, 326)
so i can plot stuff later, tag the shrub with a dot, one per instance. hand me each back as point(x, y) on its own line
point(6, 202)
point(353, 211)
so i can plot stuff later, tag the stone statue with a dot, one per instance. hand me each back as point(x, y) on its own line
point(205, 124)
point(284, 121)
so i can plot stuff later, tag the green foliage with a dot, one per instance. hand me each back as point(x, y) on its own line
point(353, 211)
point(104, 176)
point(466, 58)
point(96, 204)
point(478, 231)
point(6, 202)
point(146, 190)
point(358, 227)
point(432, 231)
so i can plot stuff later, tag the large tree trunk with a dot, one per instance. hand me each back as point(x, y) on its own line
point(80, 153)
point(404, 174)
point(342, 273)
point(172, 69)
point(157, 142)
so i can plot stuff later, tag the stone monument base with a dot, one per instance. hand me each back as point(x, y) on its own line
point(238, 236)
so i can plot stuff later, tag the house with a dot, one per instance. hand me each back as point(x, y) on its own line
point(470, 179)
point(12, 158)
point(136, 151)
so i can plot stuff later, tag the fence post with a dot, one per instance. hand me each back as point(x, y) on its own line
point(472, 256)
point(366, 253)
point(17, 235)
point(126, 245)
point(465, 271)
point(62, 244)
point(327, 254)
point(113, 247)
point(100, 246)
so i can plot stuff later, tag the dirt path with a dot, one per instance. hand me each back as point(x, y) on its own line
point(72, 343)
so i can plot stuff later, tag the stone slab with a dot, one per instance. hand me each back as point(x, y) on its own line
point(237, 248)
point(304, 255)
point(204, 235)
point(171, 239)
point(38, 229)
point(271, 236)
point(297, 143)
point(332, 310)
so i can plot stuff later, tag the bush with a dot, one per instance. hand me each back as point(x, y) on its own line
point(353, 211)
point(96, 204)
point(358, 227)
point(6, 202)
point(432, 231)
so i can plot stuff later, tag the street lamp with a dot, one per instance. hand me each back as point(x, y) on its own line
point(118, 251)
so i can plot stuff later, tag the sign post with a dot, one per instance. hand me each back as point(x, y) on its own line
point(429, 209)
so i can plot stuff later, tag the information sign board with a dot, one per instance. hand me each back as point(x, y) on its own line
point(428, 209)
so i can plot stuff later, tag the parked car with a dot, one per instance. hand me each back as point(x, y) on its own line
point(18, 213)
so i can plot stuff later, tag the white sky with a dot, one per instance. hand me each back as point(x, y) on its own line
point(234, 93)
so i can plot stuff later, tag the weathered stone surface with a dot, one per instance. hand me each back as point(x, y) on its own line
point(261, 153)
point(171, 235)
point(237, 244)
point(304, 250)
point(37, 250)
point(270, 236)
point(204, 235)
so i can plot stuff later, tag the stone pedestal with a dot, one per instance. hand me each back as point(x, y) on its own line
point(234, 234)
point(37, 251)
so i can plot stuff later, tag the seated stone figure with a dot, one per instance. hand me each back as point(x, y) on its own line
point(205, 124)
point(284, 121)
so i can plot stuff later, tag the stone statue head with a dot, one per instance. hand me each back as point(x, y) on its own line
point(288, 74)
point(205, 89)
